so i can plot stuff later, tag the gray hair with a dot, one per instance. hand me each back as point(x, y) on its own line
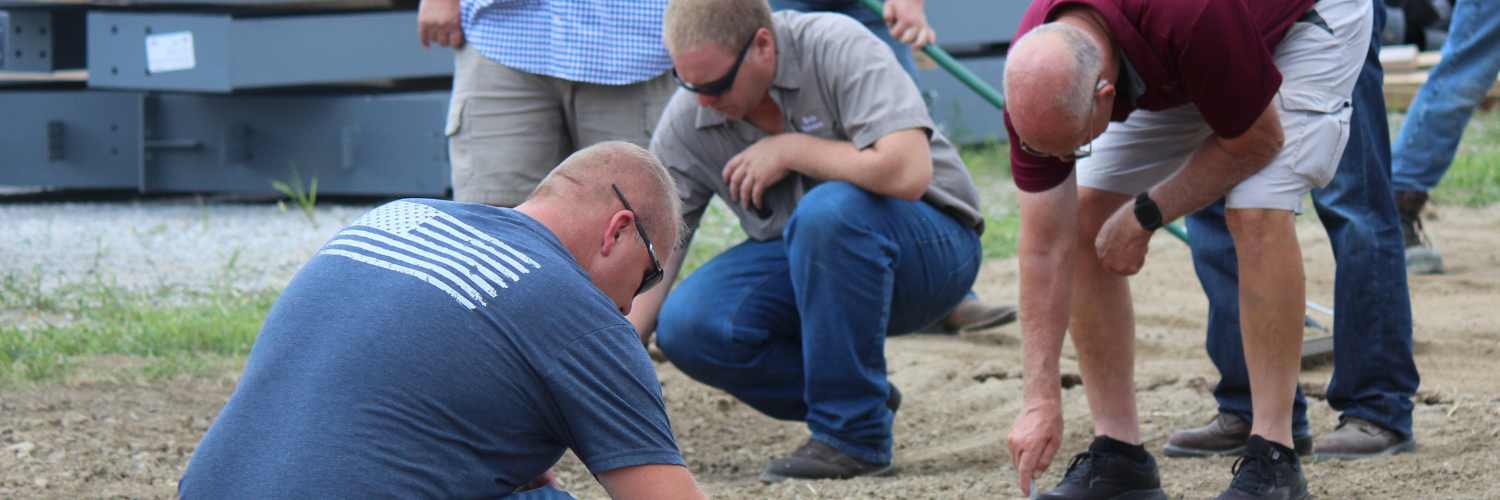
point(584, 179)
point(692, 24)
point(1085, 62)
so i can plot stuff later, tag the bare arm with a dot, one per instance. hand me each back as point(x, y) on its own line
point(1213, 169)
point(438, 21)
point(1218, 165)
point(650, 482)
point(1047, 245)
point(647, 306)
point(898, 165)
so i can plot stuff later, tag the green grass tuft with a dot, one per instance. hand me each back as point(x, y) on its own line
point(1473, 179)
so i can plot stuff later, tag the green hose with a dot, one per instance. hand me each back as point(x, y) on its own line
point(952, 65)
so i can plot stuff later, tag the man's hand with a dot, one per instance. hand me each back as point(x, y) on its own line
point(1034, 440)
point(548, 478)
point(1122, 242)
point(908, 23)
point(438, 21)
point(759, 167)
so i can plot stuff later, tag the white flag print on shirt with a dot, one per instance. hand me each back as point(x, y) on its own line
point(437, 248)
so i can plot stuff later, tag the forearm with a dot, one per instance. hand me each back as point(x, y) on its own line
point(650, 482)
point(898, 165)
point(1218, 165)
point(1047, 246)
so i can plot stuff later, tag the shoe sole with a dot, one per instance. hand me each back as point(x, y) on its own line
point(1397, 449)
point(1302, 444)
point(1003, 319)
point(1156, 494)
point(771, 477)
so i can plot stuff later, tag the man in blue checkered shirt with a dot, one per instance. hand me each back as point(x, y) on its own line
point(535, 81)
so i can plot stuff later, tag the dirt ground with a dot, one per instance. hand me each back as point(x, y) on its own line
point(103, 439)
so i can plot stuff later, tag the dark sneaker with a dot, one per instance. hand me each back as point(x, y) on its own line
point(1421, 258)
point(1266, 473)
point(817, 460)
point(971, 314)
point(894, 400)
point(1223, 436)
point(1357, 438)
point(1098, 474)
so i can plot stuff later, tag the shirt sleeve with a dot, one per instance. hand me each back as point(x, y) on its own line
point(1034, 174)
point(875, 96)
point(609, 400)
point(1227, 69)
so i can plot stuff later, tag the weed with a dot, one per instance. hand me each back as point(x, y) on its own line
point(306, 199)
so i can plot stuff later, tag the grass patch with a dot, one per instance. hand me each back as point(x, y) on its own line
point(172, 333)
point(1474, 177)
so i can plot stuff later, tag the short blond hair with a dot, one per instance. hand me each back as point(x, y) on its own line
point(583, 180)
point(692, 24)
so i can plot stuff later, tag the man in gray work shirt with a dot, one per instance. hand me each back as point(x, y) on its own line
point(863, 223)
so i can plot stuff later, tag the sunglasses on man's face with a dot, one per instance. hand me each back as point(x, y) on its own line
point(654, 275)
point(722, 85)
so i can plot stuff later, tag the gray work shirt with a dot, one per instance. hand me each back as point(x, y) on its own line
point(834, 80)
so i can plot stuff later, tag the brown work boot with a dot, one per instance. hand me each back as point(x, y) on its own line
point(818, 460)
point(1421, 258)
point(1357, 438)
point(972, 314)
point(1223, 436)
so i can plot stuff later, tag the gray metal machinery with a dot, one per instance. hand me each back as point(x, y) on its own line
point(221, 96)
point(164, 96)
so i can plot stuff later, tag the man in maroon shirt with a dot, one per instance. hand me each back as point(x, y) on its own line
point(1175, 104)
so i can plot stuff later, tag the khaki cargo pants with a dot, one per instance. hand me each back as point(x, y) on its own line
point(508, 128)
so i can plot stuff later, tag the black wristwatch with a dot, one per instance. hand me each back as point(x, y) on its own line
point(1146, 213)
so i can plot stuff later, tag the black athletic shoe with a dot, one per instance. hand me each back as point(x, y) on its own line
point(1266, 473)
point(1099, 474)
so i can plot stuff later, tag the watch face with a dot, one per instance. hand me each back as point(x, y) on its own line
point(1147, 213)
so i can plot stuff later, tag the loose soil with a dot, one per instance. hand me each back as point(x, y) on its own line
point(97, 438)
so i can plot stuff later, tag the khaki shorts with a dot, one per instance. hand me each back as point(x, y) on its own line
point(508, 128)
point(1318, 65)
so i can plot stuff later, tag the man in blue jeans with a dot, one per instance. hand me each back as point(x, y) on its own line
point(1375, 375)
point(863, 223)
point(1427, 142)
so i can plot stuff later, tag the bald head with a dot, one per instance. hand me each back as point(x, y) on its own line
point(581, 185)
point(1050, 77)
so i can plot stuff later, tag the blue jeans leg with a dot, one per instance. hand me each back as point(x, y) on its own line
point(858, 11)
point(796, 327)
point(1374, 373)
point(543, 493)
point(1471, 59)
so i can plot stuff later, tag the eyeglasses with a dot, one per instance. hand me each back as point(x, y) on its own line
point(722, 85)
point(655, 274)
point(1083, 151)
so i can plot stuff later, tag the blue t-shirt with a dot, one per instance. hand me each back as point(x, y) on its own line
point(434, 350)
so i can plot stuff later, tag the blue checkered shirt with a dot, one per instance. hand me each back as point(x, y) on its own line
point(606, 42)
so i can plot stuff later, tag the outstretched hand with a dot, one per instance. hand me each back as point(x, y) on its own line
point(1034, 441)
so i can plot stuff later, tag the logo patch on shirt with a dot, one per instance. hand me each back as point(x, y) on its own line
point(437, 248)
point(811, 123)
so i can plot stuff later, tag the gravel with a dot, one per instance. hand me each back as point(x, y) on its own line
point(175, 244)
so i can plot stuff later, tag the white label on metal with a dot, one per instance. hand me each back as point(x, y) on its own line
point(170, 52)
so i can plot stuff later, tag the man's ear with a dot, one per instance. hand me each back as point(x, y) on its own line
point(618, 227)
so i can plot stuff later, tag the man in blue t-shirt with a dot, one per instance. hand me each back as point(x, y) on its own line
point(435, 349)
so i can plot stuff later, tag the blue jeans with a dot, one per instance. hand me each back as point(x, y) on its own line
point(796, 327)
point(543, 493)
point(1471, 60)
point(1374, 374)
point(858, 11)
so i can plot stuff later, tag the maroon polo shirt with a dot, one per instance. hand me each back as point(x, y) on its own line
point(1215, 54)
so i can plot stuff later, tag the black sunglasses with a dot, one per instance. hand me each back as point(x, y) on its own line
point(655, 274)
point(722, 85)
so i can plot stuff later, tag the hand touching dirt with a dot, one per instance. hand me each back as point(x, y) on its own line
point(438, 22)
point(908, 22)
point(1034, 440)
